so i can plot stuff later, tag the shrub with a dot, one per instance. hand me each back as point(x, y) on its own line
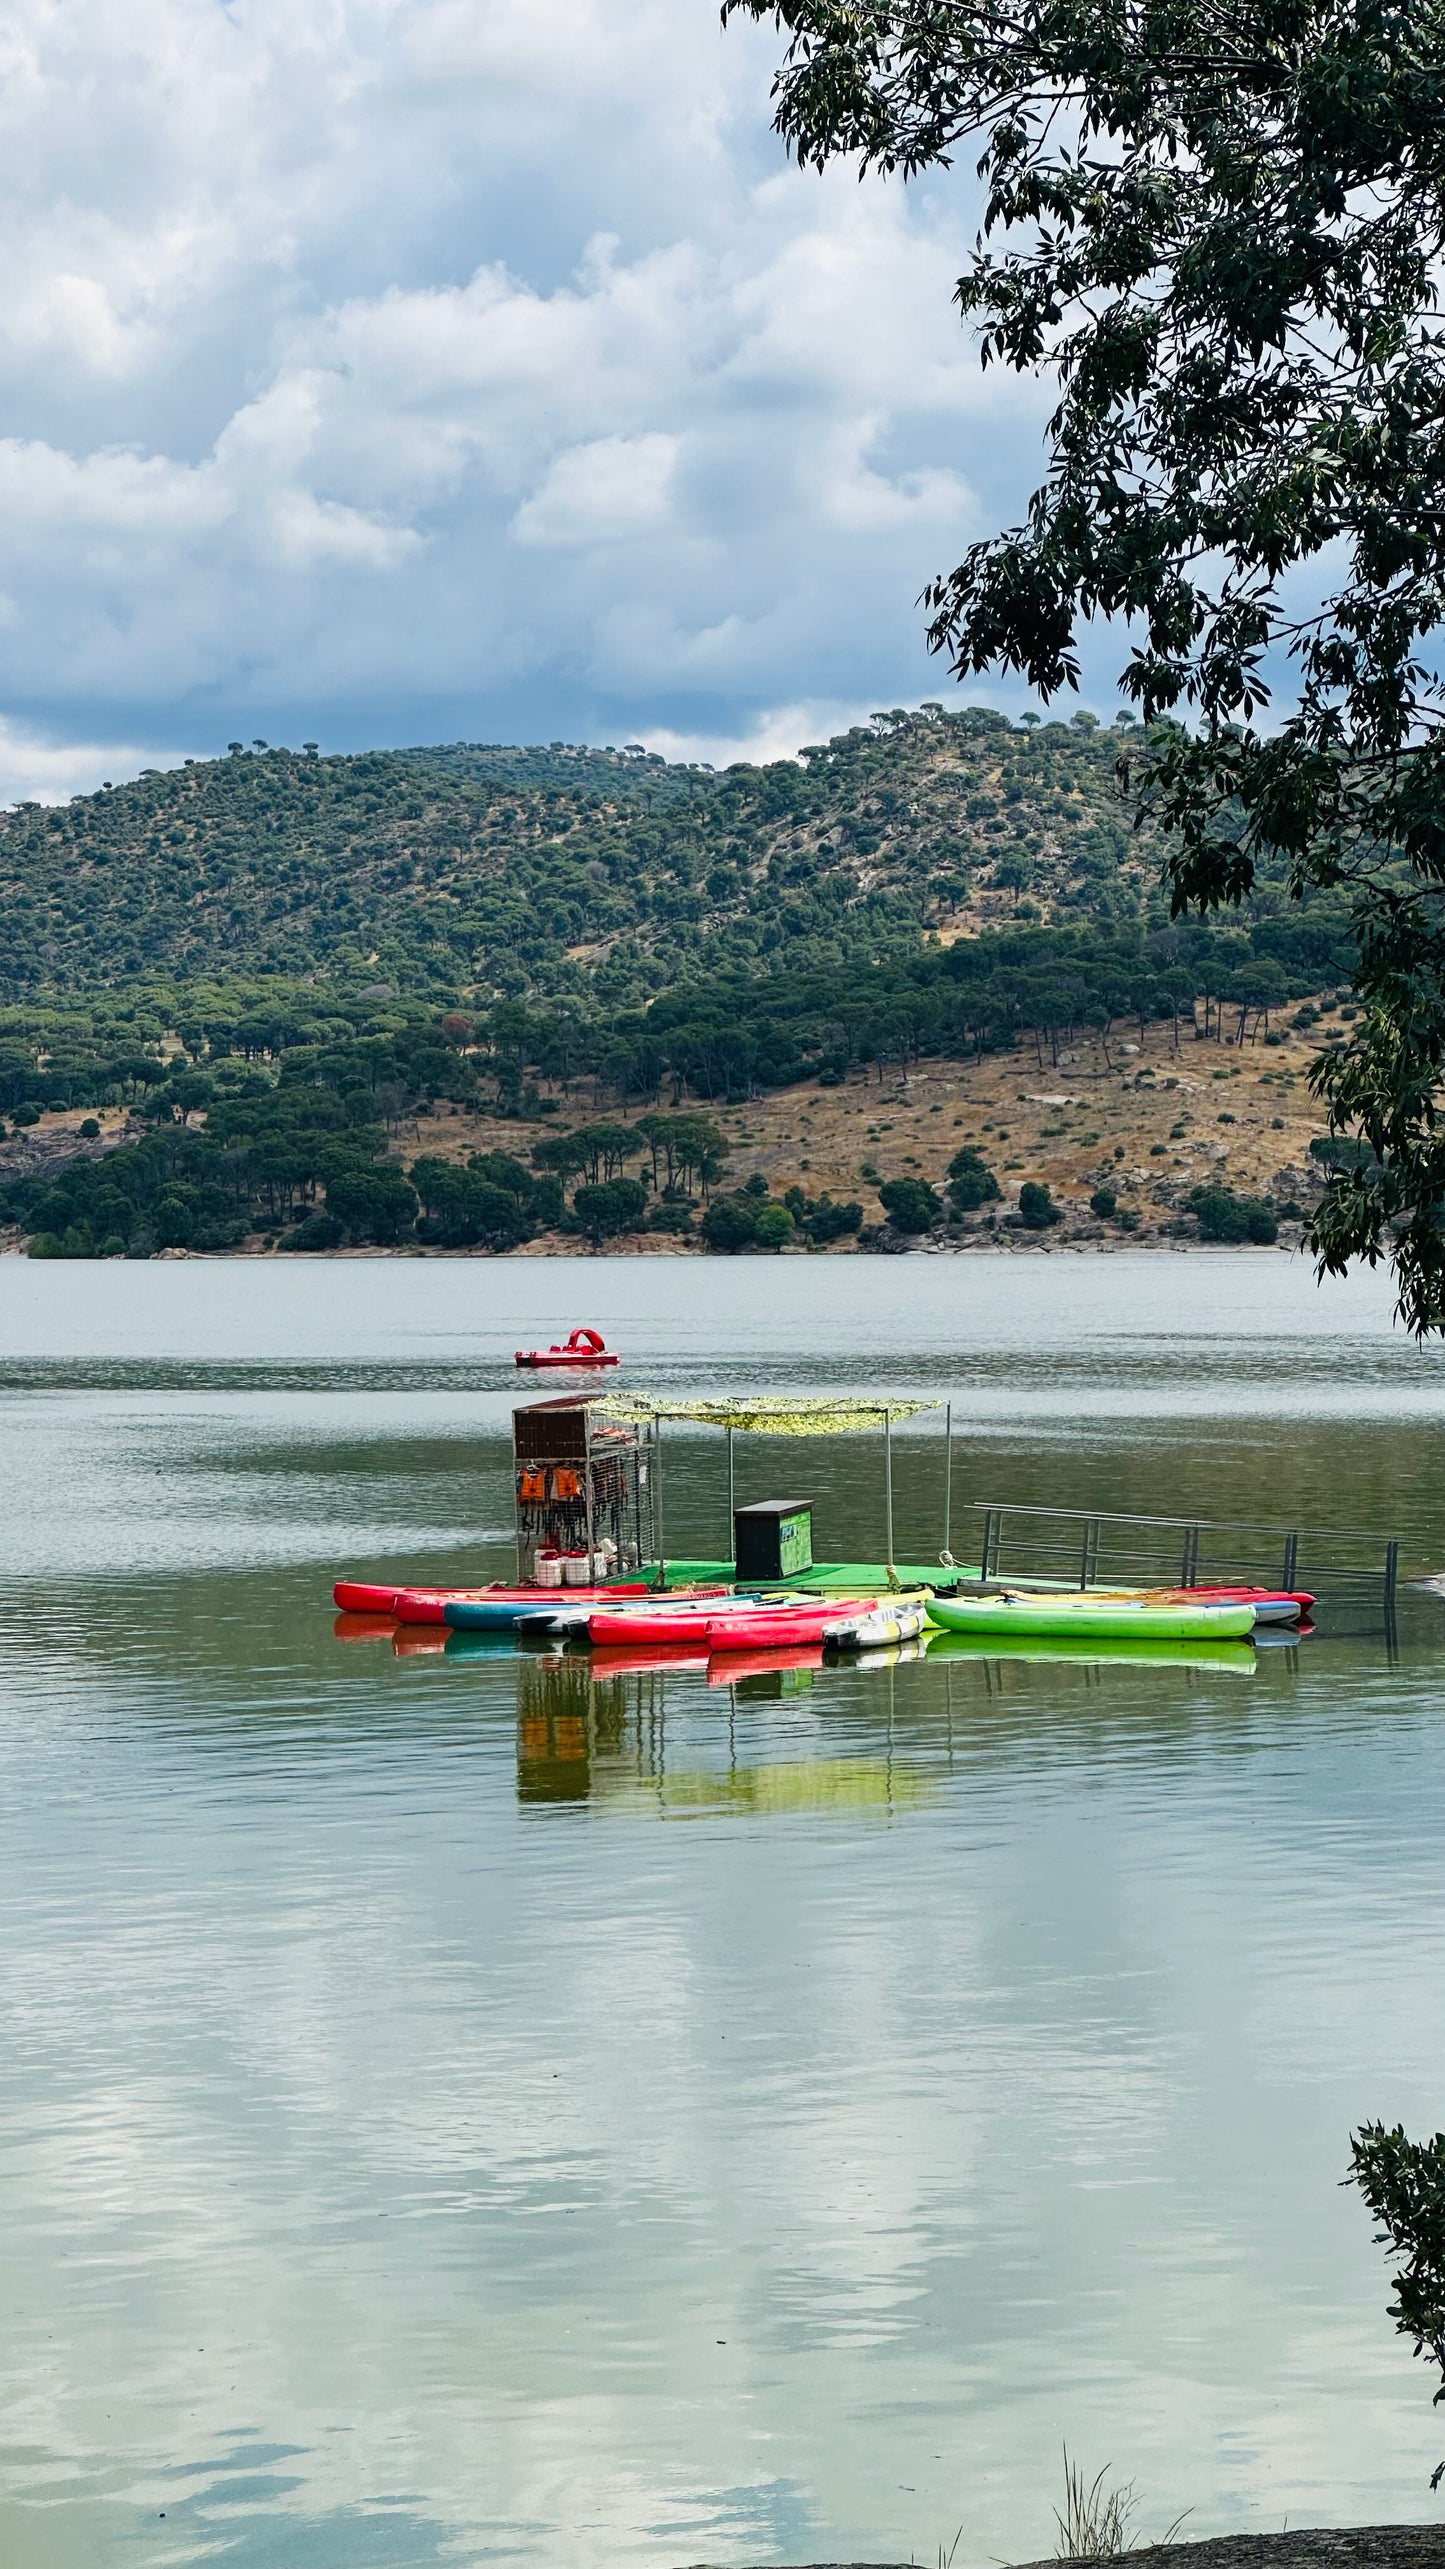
point(730, 1224)
point(90, 1130)
point(829, 1221)
point(44, 1245)
point(1232, 1220)
point(319, 1231)
point(1104, 1202)
point(910, 1204)
point(670, 1217)
point(1037, 1209)
point(1403, 2183)
point(971, 1182)
point(1342, 1151)
point(774, 1227)
point(374, 1204)
point(489, 1204)
point(24, 1115)
point(605, 1212)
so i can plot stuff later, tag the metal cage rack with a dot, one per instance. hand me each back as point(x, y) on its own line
point(582, 1485)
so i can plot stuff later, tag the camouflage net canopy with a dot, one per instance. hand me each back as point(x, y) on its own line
point(779, 1416)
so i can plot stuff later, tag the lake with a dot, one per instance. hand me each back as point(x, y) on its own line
point(453, 2111)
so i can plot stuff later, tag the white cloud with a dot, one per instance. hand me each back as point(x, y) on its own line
point(602, 493)
point(33, 770)
point(413, 365)
point(781, 733)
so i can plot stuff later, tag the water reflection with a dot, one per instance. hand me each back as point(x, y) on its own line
point(586, 1731)
point(409, 2150)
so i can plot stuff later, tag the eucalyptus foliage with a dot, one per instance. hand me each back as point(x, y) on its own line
point(1217, 224)
point(1403, 2183)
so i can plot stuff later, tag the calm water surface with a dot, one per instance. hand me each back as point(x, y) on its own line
point(452, 2112)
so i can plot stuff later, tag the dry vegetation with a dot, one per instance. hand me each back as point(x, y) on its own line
point(1150, 1121)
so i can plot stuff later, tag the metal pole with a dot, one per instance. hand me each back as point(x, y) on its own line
point(657, 1500)
point(888, 1490)
point(587, 1495)
point(946, 1555)
point(730, 1550)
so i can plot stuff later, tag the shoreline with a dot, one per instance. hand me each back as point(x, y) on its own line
point(663, 1246)
point(1369, 2546)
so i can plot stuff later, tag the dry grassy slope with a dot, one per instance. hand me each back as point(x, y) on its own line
point(1119, 1125)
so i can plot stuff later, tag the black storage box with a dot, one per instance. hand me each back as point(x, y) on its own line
point(774, 1539)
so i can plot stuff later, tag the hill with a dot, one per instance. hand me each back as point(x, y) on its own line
point(464, 996)
point(598, 877)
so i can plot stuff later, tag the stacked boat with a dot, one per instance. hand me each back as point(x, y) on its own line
point(629, 1624)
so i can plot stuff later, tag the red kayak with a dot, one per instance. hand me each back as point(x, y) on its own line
point(429, 1605)
point(1271, 1605)
point(739, 1627)
point(584, 1347)
point(1232, 1596)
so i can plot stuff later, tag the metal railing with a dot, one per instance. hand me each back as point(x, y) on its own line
point(1086, 1547)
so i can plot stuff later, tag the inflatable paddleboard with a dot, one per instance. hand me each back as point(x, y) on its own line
point(1095, 1618)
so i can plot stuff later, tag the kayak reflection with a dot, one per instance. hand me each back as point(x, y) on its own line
point(1239, 1656)
point(587, 1732)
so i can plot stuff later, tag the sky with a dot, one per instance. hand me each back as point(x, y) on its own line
point(390, 371)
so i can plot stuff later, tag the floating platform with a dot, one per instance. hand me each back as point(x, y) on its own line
point(851, 1578)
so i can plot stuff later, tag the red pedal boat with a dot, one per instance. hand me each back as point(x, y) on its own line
point(584, 1347)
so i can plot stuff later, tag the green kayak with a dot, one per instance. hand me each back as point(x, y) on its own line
point(1069, 1617)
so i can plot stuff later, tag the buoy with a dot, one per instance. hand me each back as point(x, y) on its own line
point(584, 1347)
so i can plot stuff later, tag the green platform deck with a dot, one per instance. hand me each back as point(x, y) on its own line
point(862, 1577)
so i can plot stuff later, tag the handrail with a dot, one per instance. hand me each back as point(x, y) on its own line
point(1205, 1524)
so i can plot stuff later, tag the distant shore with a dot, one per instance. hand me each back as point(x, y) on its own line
point(1010, 1245)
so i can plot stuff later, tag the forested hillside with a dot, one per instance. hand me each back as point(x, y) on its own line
point(599, 877)
point(233, 992)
